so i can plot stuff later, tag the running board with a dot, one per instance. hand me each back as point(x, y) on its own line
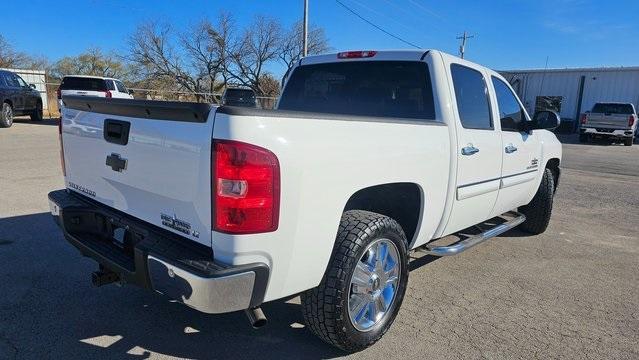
point(473, 240)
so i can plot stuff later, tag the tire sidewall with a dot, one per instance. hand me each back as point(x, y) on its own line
point(362, 338)
point(6, 122)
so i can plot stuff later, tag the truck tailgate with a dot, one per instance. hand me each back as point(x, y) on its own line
point(148, 159)
point(607, 121)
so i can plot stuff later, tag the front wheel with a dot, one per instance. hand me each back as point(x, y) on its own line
point(364, 284)
point(539, 208)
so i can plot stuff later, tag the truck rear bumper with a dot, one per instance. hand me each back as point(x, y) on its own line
point(153, 258)
point(621, 133)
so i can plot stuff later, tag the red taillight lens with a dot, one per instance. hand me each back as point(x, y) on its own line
point(631, 120)
point(59, 93)
point(583, 119)
point(356, 54)
point(62, 164)
point(108, 94)
point(246, 188)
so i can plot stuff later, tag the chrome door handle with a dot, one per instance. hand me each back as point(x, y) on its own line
point(510, 149)
point(469, 150)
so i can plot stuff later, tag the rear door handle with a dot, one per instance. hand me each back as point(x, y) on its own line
point(469, 150)
point(510, 149)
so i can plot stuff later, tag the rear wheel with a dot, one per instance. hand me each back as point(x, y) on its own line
point(36, 115)
point(539, 208)
point(6, 115)
point(364, 284)
point(583, 138)
point(628, 141)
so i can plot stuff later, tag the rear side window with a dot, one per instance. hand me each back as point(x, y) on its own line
point(472, 97)
point(608, 108)
point(10, 80)
point(109, 85)
point(240, 93)
point(81, 83)
point(511, 114)
point(397, 89)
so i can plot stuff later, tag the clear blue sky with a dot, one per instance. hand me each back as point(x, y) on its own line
point(508, 34)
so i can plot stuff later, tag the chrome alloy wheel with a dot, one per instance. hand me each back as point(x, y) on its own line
point(374, 284)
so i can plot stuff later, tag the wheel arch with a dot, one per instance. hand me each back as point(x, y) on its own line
point(401, 201)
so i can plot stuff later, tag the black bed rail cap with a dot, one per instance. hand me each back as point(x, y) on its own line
point(145, 109)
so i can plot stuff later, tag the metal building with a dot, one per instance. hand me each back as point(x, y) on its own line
point(572, 92)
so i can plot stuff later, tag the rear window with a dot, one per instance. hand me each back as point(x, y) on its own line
point(399, 89)
point(603, 108)
point(82, 83)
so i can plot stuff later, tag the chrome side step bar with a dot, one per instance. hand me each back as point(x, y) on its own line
point(473, 240)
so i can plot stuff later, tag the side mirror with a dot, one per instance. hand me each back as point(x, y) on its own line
point(131, 92)
point(548, 120)
point(32, 86)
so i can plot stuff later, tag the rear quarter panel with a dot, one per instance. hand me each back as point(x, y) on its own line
point(322, 163)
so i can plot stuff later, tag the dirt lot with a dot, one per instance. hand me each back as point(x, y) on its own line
point(572, 292)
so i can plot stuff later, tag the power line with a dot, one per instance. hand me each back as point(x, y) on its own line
point(376, 26)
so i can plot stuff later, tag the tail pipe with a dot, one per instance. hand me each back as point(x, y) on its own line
point(256, 317)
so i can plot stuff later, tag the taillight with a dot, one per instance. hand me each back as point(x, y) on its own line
point(108, 94)
point(584, 117)
point(356, 54)
point(631, 120)
point(62, 164)
point(246, 188)
point(59, 93)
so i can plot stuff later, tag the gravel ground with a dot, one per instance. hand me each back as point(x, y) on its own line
point(572, 292)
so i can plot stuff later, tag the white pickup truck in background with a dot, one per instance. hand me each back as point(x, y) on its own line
point(369, 155)
point(612, 121)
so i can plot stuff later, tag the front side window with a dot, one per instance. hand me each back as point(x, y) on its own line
point(472, 98)
point(120, 86)
point(511, 114)
point(395, 89)
point(109, 85)
point(21, 82)
point(11, 80)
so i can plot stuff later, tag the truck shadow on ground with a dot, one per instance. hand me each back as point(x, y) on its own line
point(54, 312)
point(27, 120)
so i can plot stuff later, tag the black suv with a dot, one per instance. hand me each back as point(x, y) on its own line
point(18, 98)
point(244, 97)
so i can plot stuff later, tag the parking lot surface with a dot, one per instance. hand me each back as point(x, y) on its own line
point(572, 292)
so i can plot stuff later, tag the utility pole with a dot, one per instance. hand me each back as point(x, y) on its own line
point(462, 47)
point(305, 31)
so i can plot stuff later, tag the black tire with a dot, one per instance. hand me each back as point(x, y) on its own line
point(583, 138)
point(539, 209)
point(6, 116)
point(325, 308)
point(628, 141)
point(36, 115)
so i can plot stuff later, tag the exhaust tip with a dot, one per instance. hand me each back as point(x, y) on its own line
point(256, 317)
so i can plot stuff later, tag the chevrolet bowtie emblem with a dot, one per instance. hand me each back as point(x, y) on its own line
point(116, 162)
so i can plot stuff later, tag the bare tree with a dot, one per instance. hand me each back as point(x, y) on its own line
point(258, 46)
point(291, 47)
point(92, 62)
point(10, 58)
point(152, 48)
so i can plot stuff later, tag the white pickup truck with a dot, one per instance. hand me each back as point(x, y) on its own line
point(612, 121)
point(369, 155)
